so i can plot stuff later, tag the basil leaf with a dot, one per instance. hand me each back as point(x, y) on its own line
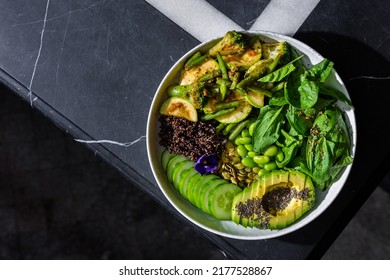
point(289, 148)
point(278, 99)
point(334, 93)
point(319, 160)
point(325, 122)
point(336, 168)
point(267, 127)
point(279, 74)
point(308, 92)
point(299, 120)
point(321, 71)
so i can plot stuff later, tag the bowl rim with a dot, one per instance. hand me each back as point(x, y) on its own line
point(308, 217)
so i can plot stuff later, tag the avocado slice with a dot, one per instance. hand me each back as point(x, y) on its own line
point(275, 201)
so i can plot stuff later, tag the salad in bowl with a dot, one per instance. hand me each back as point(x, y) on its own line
point(251, 135)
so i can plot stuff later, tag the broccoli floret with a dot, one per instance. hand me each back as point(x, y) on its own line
point(232, 43)
point(274, 50)
point(194, 93)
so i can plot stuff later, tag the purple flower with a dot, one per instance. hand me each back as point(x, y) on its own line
point(206, 164)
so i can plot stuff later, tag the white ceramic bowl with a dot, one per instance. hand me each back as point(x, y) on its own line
point(229, 228)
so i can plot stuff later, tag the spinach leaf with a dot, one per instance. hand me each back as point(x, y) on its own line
point(308, 92)
point(319, 160)
point(278, 99)
point(289, 148)
point(281, 73)
point(299, 120)
point(267, 127)
point(325, 122)
point(321, 71)
point(336, 168)
point(334, 93)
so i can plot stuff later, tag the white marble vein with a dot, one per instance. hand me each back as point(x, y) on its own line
point(38, 55)
point(104, 141)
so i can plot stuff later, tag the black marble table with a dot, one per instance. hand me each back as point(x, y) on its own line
point(92, 67)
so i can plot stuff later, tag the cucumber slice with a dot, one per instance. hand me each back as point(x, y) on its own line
point(205, 192)
point(220, 200)
point(166, 156)
point(177, 173)
point(208, 179)
point(188, 175)
point(172, 164)
point(194, 183)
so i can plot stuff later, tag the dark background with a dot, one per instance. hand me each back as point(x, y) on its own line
point(60, 201)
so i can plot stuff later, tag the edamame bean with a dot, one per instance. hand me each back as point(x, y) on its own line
point(248, 162)
point(271, 151)
point(279, 156)
point(251, 154)
point(261, 159)
point(243, 140)
point(270, 166)
point(251, 128)
point(241, 150)
point(245, 133)
point(249, 147)
point(262, 172)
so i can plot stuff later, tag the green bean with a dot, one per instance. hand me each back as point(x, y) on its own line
point(238, 130)
point(227, 105)
point(241, 91)
point(260, 91)
point(194, 56)
point(229, 128)
point(271, 151)
point(209, 76)
point(222, 66)
point(234, 80)
point(220, 127)
point(216, 114)
point(223, 90)
point(196, 61)
point(278, 87)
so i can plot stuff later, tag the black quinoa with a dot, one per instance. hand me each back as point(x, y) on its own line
point(190, 139)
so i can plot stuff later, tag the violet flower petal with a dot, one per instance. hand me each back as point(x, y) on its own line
point(206, 164)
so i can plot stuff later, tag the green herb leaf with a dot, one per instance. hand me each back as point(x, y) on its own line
point(319, 160)
point(308, 92)
point(321, 71)
point(298, 119)
point(278, 75)
point(278, 99)
point(267, 127)
point(289, 148)
point(334, 93)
